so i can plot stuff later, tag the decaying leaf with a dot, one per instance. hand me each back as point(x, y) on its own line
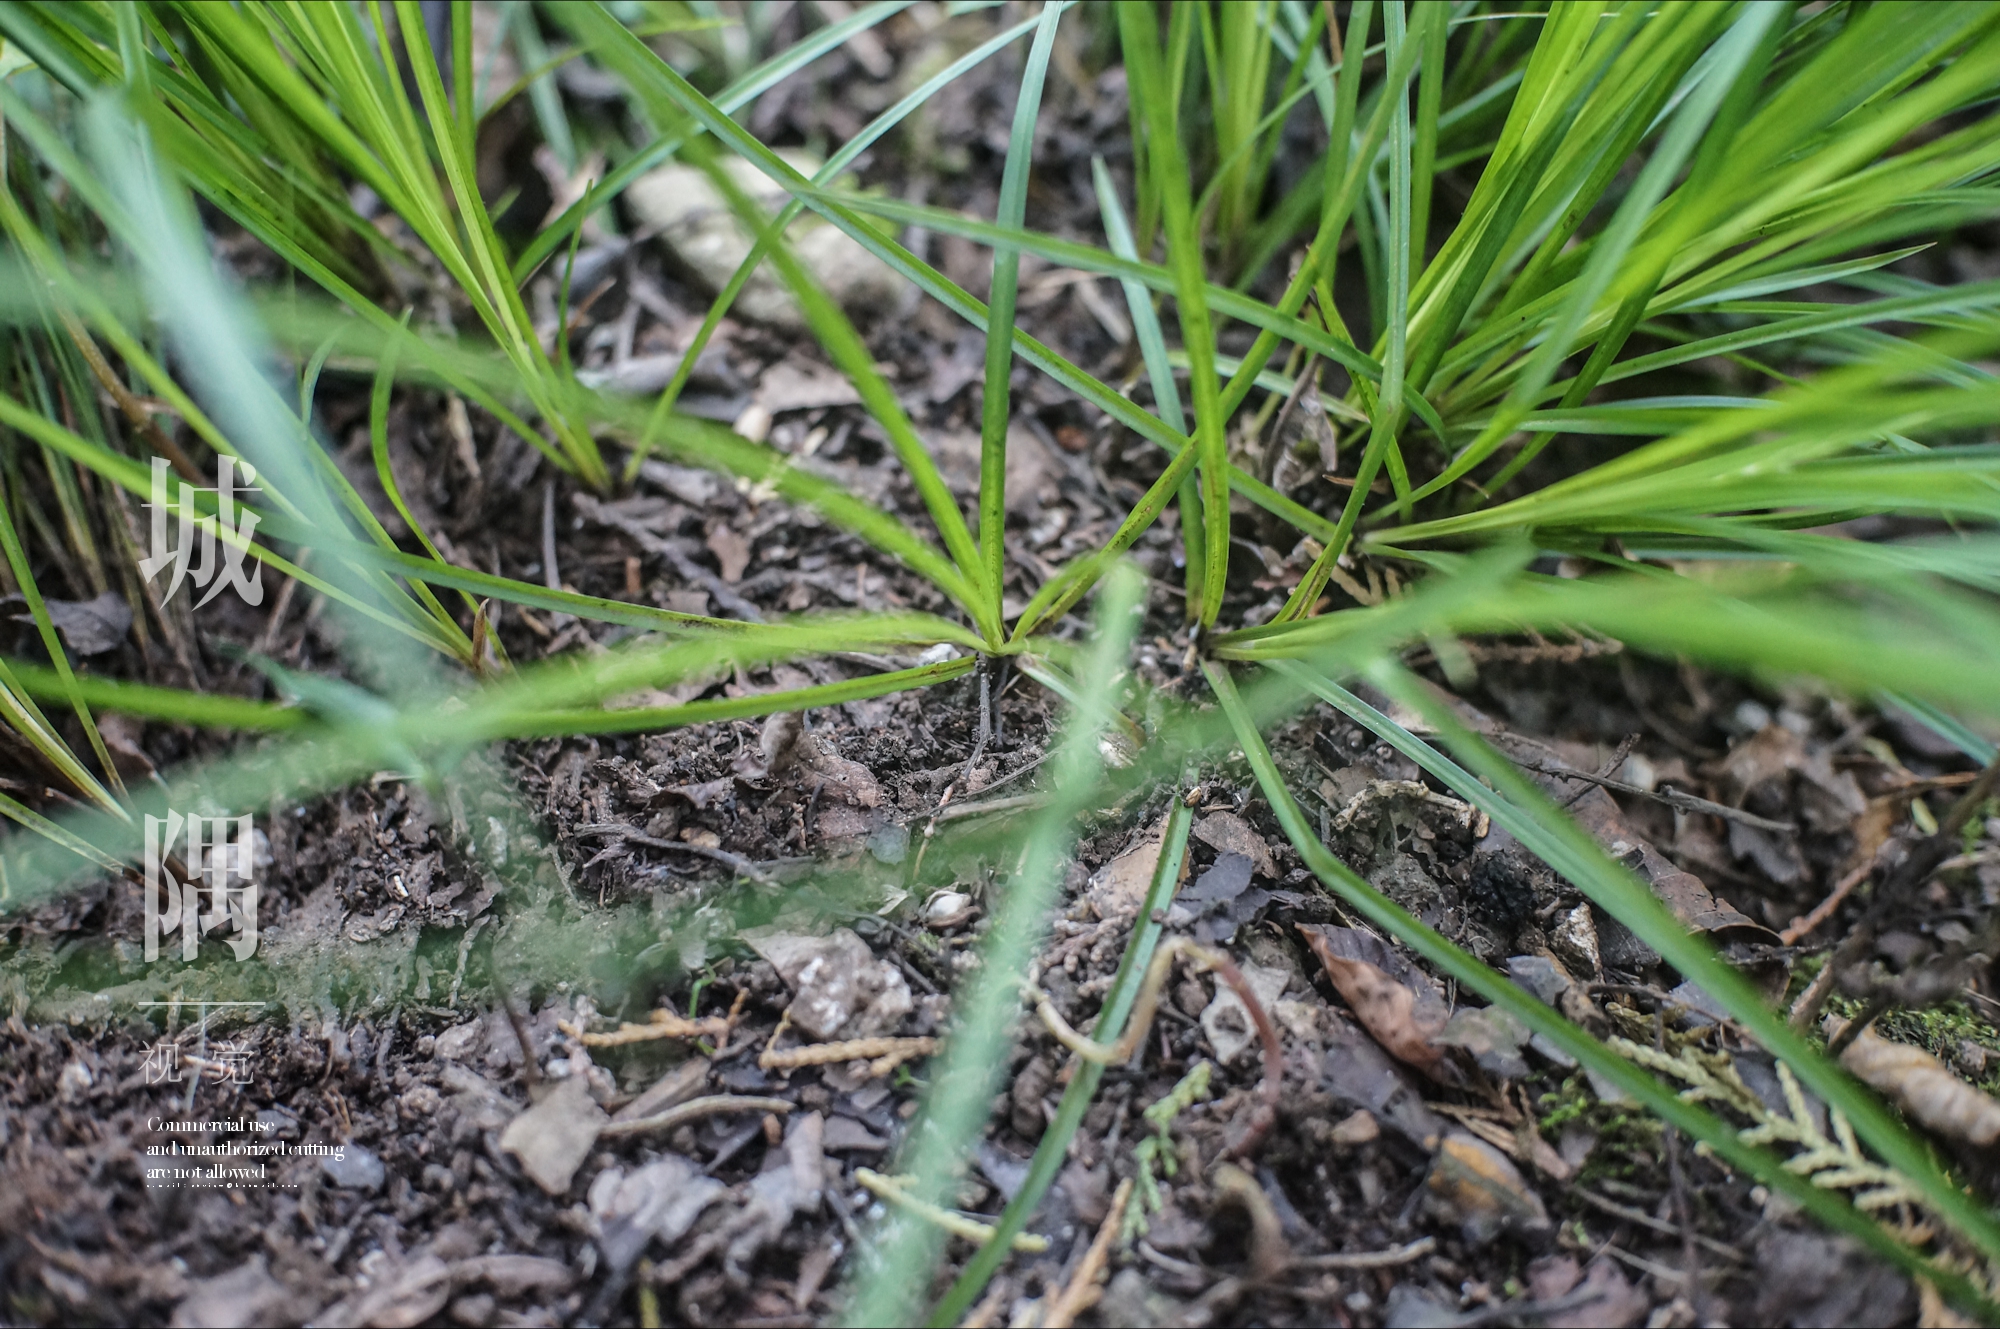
point(1491, 1036)
point(1403, 1007)
point(1921, 1086)
point(1230, 834)
point(1117, 889)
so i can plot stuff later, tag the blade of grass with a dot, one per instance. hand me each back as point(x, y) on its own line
point(743, 91)
point(844, 345)
point(43, 736)
point(1160, 373)
point(995, 409)
point(957, 1104)
point(1608, 251)
point(1168, 172)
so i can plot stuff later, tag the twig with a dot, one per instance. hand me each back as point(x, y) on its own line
point(1672, 797)
point(664, 1024)
point(735, 862)
point(883, 1053)
point(1268, 464)
point(961, 811)
point(1147, 1007)
point(693, 1110)
point(1804, 927)
point(1388, 1259)
point(1644, 1219)
point(1915, 869)
point(531, 1070)
point(1082, 1291)
point(974, 1231)
point(129, 405)
point(1616, 763)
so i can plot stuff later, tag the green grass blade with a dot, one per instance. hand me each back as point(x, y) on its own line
point(1159, 372)
point(1609, 250)
point(739, 94)
point(826, 175)
point(206, 710)
point(996, 403)
point(1168, 172)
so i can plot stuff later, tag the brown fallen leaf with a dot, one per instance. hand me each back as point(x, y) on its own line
point(1117, 889)
point(1403, 1007)
point(1921, 1086)
point(1230, 834)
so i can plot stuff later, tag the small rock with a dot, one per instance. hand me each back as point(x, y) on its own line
point(1478, 1189)
point(74, 1082)
point(1816, 1282)
point(474, 1311)
point(840, 989)
point(947, 909)
point(1130, 1299)
point(552, 1138)
point(890, 844)
point(1617, 1304)
point(845, 1135)
point(1575, 940)
point(459, 1042)
point(1227, 1020)
point(1357, 1128)
point(1491, 1035)
point(354, 1168)
point(696, 225)
point(245, 1296)
point(661, 1199)
point(1117, 889)
point(89, 627)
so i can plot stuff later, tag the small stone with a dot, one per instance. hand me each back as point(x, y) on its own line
point(1227, 1020)
point(474, 1310)
point(1358, 1128)
point(696, 224)
point(947, 909)
point(246, 1295)
point(552, 1138)
point(354, 1168)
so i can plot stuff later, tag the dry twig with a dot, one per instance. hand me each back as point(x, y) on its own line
point(693, 1110)
point(1082, 1292)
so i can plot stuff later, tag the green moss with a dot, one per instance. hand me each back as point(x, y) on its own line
point(1941, 1031)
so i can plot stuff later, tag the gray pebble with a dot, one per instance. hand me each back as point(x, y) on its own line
point(354, 1167)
